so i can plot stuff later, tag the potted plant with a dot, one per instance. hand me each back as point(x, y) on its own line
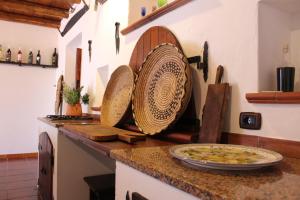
point(85, 100)
point(72, 97)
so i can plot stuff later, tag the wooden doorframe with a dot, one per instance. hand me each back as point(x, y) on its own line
point(78, 67)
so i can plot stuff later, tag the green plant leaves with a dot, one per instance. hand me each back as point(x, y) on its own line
point(72, 95)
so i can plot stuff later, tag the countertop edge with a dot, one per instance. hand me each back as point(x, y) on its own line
point(177, 183)
point(45, 120)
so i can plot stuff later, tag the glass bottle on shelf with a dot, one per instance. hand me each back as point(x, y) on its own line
point(8, 55)
point(30, 57)
point(38, 58)
point(19, 56)
point(54, 58)
point(1, 53)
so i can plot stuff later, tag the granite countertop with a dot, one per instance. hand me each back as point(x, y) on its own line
point(278, 182)
point(74, 132)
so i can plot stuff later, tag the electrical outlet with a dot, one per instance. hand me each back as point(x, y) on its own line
point(250, 120)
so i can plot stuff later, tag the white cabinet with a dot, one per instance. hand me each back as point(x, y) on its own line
point(72, 162)
point(132, 180)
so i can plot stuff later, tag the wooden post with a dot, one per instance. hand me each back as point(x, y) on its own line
point(78, 67)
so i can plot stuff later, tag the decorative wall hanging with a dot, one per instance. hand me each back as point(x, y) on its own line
point(201, 65)
point(162, 89)
point(117, 37)
point(59, 95)
point(90, 50)
point(74, 19)
point(117, 97)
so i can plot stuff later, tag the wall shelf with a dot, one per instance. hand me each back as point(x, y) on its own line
point(27, 65)
point(274, 97)
point(154, 15)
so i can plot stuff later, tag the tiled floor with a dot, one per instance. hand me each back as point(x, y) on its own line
point(18, 179)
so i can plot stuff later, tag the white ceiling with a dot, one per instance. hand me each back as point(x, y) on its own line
point(291, 6)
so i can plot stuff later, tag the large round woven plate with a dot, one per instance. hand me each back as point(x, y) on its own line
point(117, 97)
point(162, 89)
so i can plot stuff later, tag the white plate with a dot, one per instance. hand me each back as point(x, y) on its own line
point(225, 156)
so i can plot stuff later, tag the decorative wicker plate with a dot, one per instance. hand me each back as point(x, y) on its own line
point(225, 156)
point(162, 89)
point(59, 91)
point(117, 97)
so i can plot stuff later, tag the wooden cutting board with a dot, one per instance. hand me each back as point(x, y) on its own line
point(105, 133)
point(96, 132)
point(214, 113)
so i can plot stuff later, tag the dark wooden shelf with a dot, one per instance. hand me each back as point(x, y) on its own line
point(274, 97)
point(152, 16)
point(27, 65)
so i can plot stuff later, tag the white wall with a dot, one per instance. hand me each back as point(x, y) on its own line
point(70, 65)
point(26, 92)
point(231, 29)
point(295, 48)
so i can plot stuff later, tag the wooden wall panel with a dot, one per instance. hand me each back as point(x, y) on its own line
point(153, 36)
point(78, 67)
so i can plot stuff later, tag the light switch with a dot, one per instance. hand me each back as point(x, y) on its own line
point(250, 120)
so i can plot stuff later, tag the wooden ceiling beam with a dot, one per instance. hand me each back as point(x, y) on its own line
point(66, 4)
point(29, 20)
point(32, 9)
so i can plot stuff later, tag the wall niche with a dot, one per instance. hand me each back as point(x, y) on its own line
point(279, 40)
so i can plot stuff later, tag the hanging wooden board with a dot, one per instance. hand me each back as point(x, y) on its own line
point(148, 41)
point(216, 105)
point(96, 133)
point(106, 133)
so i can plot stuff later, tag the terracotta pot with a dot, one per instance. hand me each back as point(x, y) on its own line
point(74, 110)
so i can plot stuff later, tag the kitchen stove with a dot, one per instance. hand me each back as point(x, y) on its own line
point(68, 117)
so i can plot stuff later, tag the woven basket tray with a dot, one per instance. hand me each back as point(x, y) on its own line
point(59, 90)
point(162, 89)
point(117, 97)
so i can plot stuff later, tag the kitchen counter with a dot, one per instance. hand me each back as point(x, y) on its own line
point(151, 157)
point(278, 182)
point(73, 132)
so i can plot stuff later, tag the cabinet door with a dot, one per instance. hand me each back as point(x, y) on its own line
point(46, 159)
point(139, 186)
